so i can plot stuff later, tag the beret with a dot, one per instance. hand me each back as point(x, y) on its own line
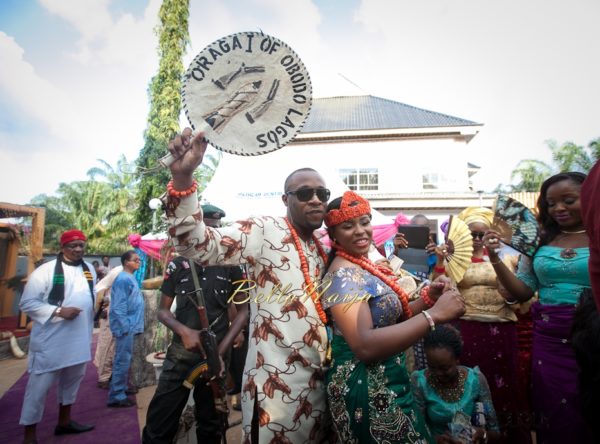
point(212, 212)
point(70, 236)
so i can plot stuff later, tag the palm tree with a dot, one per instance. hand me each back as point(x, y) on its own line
point(102, 209)
point(594, 147)
point(55, 221)
point(566, 157)
point(531, 173)
point(119, 209)
point(207, 170)
point(84, 206)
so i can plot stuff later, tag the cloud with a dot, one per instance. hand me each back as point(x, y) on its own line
point(80, 109)
point(523, 69)
point(34, 96)
point(90, 19)
point(526, 70)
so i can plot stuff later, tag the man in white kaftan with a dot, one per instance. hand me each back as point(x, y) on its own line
point(283, 395)
point(59, 298)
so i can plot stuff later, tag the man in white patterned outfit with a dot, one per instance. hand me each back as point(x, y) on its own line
point(283, 395)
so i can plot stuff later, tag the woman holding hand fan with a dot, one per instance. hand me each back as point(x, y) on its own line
point(558, 272)
point(488, 327)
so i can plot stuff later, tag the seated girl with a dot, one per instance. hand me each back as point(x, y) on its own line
point(447, 393)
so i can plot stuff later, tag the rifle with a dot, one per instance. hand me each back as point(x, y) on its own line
point(211, 368)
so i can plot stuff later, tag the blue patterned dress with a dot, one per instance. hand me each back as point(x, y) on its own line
point(369, 402)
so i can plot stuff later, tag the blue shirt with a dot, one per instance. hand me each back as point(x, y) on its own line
point(126, 310)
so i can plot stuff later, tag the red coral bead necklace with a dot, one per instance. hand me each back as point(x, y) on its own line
point(309, 286)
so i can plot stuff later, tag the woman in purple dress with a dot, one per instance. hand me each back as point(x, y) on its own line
point(559, 274)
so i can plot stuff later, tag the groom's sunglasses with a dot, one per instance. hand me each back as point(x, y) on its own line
point(306, 194)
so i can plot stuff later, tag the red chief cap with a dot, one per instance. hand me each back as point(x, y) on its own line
point(70, 236)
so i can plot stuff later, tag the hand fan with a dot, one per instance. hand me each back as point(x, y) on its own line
point(516, 224)
point(249, 92)
point(460, 243)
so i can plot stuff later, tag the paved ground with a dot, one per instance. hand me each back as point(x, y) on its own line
point(12, 369)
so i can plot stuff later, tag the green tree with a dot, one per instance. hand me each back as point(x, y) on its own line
point(103, 209)
point(165, 106)
point(531, 174)
point(207, 170)
point(118, 211)
point(594, 147)
point(83, 204)
point(568, 156)
point(55, 221)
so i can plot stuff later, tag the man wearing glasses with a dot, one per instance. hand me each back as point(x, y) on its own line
point(59, 298)
point(126, 318)
point(283, 394)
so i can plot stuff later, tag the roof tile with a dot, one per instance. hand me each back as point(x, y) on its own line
point(349, 113)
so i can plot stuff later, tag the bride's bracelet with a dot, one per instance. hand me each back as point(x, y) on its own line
point(426, 298)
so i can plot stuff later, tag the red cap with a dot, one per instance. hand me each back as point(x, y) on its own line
point(71, 235)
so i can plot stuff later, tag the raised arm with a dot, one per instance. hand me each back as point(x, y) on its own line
point(188, 151)
point(230, 245)
point(515, 287)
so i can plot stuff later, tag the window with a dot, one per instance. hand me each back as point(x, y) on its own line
point(434, 180)
point(430, 181)
point(360, 179)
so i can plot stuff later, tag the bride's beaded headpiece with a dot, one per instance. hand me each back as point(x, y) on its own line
point(347, 210)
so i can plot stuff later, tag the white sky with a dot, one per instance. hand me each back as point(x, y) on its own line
point(75, 73)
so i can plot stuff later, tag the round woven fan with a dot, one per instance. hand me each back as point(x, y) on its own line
point(460, 243)
point(517, 225)
point(248, 92)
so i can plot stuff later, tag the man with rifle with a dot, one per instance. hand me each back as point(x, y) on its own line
point(191, 358)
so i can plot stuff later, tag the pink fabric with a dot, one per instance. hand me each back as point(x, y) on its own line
point(381, 233)
point(150, 247)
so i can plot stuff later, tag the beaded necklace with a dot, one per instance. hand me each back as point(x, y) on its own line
point(451, 393)
point(309, 286)
point(369, 266)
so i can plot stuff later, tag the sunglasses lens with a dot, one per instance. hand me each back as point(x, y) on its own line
point(477, 235)
point(305, 194)
point(323, 194)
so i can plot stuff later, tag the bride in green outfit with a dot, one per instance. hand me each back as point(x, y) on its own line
point(368, 385)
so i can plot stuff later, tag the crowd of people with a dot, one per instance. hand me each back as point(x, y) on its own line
point(327, 329)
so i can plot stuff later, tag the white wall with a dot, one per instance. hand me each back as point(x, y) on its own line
point(245, 186)
point(400, 164)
